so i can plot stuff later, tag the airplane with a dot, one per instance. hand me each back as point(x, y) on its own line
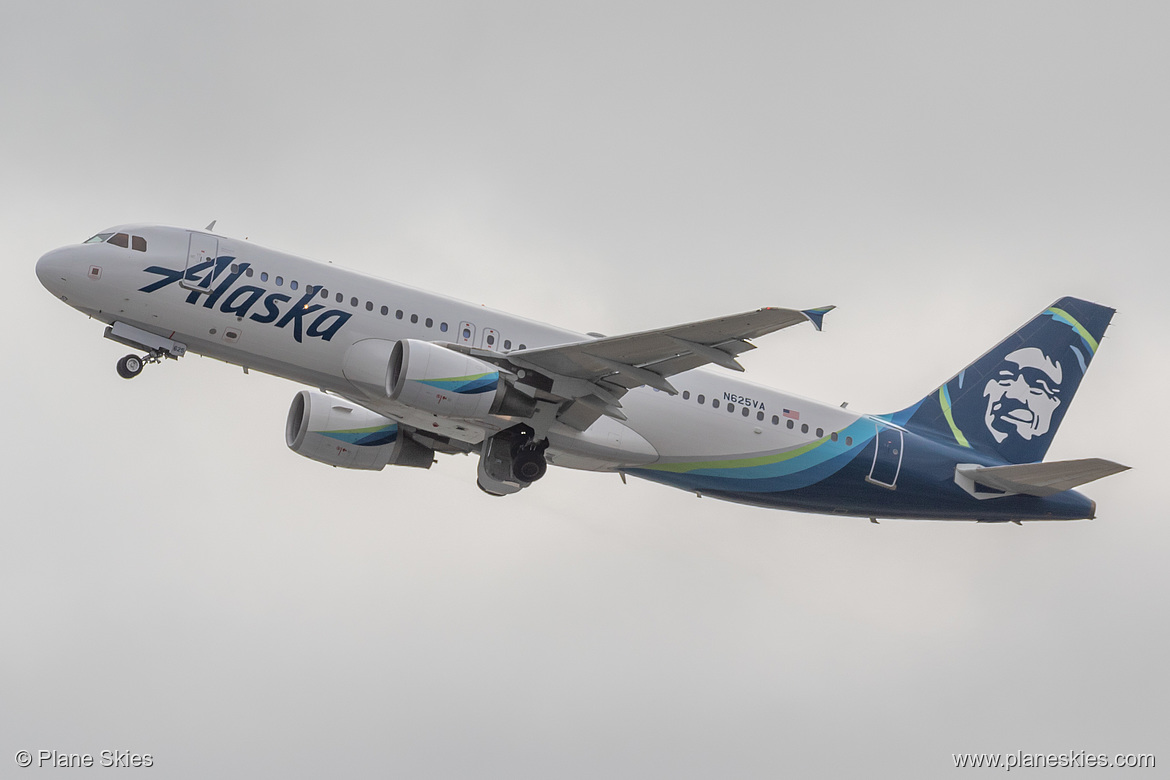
point(402, 375)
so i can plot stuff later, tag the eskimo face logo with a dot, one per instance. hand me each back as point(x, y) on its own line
point(1023, 395)
point(308, 319)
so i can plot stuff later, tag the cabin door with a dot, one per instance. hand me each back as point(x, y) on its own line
point(199, 274)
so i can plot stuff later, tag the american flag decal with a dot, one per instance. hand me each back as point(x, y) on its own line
point(791, 415)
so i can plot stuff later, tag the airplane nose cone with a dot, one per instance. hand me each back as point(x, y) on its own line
point(51, 271)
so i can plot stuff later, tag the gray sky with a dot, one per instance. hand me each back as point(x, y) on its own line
point(174, 581)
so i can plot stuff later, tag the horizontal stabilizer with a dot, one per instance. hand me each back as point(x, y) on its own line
point(1041, 479)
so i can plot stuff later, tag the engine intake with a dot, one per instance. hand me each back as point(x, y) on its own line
point(333, 431)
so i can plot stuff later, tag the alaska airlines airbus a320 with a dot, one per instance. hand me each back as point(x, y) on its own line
point(405, 374)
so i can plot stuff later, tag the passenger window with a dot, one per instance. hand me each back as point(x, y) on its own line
point(746, 411)
point(820, 432)
point(121, 239)
point(139, 243)
point(248, 272)
point(702, 398)
point(279, 281)
point(775, 419)
point(369, 305)
point(264, 276)
point(848, 441)
point(686, 395)
point(235, 268)
point(507, 343)
point(715, 403)
point(429, 322)
point(760, 416)
point(293, 284)
point(731, 407)
point(385, 310)
point(443, 326)
point(414, 319)
point(804, 427)
point(339, 298)
point(833, 436)
point(523, 347)
point(398, 314)
point(353, 302)
point(324, 293)
point(791, 425)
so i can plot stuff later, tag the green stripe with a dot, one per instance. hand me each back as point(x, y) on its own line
point(762, 460)
point(366, 430)
point(1078, 327)
point(461, 378)
point(944, 400)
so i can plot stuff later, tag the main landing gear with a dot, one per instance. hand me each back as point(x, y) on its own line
point(528, 463)
point(132, 365)
point(511, 460)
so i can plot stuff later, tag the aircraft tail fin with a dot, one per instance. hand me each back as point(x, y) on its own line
point(1010, 401)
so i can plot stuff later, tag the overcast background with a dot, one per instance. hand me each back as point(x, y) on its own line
point(175, 581)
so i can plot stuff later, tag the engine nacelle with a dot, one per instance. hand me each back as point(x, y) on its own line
point(331, 430)
point(441, 381)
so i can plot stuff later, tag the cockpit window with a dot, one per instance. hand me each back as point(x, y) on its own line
point(124, 240)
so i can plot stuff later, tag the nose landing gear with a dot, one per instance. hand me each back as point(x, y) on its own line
point(132, 365)
point(157, 348)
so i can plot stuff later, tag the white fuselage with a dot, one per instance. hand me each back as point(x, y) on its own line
point(715, 414)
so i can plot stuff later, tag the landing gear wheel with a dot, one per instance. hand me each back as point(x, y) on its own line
point(130, 366)
point(529, 465)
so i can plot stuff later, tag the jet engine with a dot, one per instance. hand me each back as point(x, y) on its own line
point(441, 381)
point(331, 430)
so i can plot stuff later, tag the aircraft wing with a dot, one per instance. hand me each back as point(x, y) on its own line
point(593, 375)
point(647, 358)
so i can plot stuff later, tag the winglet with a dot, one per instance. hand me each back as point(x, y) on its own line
point(212, 225)
point(815, 316)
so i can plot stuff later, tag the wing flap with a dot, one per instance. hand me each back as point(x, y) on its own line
point(1042, 479)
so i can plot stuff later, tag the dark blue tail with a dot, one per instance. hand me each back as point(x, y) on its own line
point(1010, 402)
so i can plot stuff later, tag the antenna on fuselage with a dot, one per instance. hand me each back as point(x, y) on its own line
point(211, 225)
